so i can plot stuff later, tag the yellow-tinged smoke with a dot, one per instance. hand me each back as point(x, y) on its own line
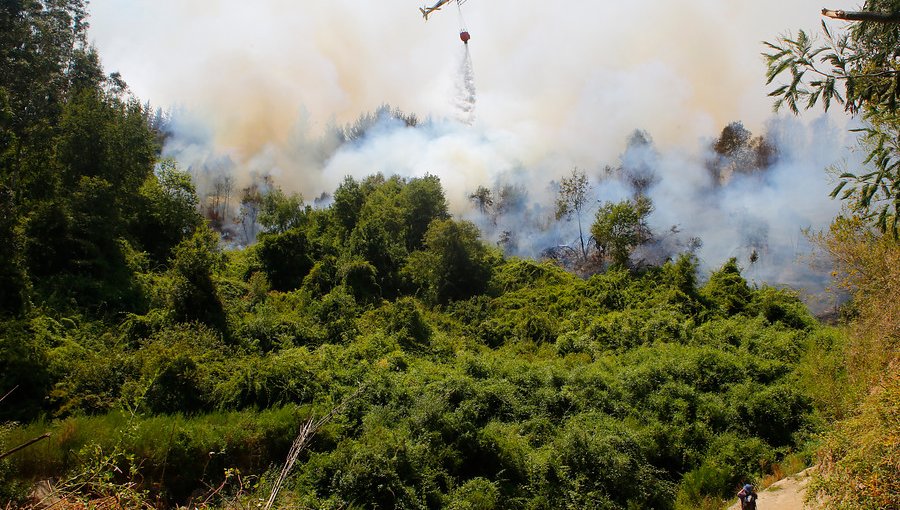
point(558, 85)
point(576, 72)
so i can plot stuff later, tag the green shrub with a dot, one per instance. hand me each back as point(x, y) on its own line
point(518, 273)
point(24, 361)
point(271, 326)
point(781, 306)
point(189, 291)
point(707, 480)
point(743, 458)
point(361, 280)
point(475, 494)
point(285, 257)
point(336, 313)
point(627, 329)
point(374, 470)
point(288, 376)
point(727, 290)
point(174, 452)
point(322, 277)
point(774, 413)
point(405, 321)
point(600, 464)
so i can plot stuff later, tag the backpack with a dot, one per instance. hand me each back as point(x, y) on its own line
point(749, 501)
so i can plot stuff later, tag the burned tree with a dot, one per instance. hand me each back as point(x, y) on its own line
point(737, 151)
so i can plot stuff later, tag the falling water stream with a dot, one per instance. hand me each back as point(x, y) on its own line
point(465, 89)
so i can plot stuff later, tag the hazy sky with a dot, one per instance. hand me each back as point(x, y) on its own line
point(559, 84)
point(680, 69)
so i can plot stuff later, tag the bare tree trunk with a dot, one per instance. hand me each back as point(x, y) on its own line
point(878, 17)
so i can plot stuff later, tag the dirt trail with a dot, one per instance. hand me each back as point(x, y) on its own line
point(786, 494)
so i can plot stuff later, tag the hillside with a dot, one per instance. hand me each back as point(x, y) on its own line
point(545, 389)
point(172, 351)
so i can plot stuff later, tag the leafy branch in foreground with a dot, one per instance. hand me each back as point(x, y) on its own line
point(860, 69)
point(875, 195)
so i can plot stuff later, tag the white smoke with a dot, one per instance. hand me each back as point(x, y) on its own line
point(263, 83)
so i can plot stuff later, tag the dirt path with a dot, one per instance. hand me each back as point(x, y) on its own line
point(786, 494)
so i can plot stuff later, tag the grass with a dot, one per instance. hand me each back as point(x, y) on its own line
point(790, 465)
point(176, 452)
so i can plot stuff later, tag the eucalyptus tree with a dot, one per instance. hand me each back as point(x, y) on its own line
point(858, 68)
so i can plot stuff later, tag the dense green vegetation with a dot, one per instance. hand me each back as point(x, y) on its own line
point(169, 370)
point(545, 391)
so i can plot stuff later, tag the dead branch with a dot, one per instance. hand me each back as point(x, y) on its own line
point(8, 393)
point(307, 431)
point(23, 446)
point(877, 17)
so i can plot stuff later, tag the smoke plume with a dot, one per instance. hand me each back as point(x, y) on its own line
point(263, 88)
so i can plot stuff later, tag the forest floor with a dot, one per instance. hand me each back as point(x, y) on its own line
point(786, 494)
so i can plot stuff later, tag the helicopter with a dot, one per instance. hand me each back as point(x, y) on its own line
point(436, 7)
point(463, 33)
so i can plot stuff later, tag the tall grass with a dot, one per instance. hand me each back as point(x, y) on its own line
point(176, 452)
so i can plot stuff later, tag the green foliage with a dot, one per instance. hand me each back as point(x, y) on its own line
point(727, 290)
point(475, 494)
point(454, 263)
point(169, 211)
point(424, 202)
point(361, 279)
point(13, 272)
point(619, 228)
point(167, 366)
point(348, 202)
point(404, 321)
point(706, 481)
point(336, 312)
point(779, 306)
point(290, 375)
point(171, 452)
point(23, 369)
point(275, 325)
point(601, 464)
point(322, 278)
point(380, 235)
point(285, 257)
point(862, 62)
point(518, 273)
point(192, 295)
point(280, 213)
point(773, 413)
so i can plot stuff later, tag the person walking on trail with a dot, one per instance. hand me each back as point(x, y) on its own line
point(748, 497)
